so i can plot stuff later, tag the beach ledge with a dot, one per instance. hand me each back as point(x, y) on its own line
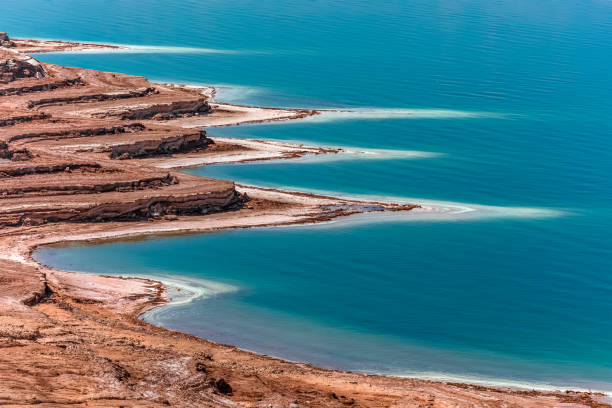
point(87, 156)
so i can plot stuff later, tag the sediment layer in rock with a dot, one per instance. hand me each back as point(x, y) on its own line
point(65, 128)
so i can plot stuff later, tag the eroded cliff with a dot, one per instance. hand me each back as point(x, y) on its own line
point(71, 138)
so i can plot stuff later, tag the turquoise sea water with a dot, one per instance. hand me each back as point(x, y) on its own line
point(512, 96)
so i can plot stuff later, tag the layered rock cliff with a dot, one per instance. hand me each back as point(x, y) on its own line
point(14, 66)
point(71, 139)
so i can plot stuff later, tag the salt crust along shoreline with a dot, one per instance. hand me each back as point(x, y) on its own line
point(119, 301)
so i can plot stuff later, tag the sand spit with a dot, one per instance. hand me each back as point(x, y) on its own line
point(87, 156)
point(30, 46)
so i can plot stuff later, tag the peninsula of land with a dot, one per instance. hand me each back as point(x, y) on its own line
point(88, 155)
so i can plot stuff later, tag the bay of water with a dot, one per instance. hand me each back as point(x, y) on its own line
point(511, 96)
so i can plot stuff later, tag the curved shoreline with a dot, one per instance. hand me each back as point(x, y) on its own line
point(163, 300)
point(166, 284)
point(130, 298)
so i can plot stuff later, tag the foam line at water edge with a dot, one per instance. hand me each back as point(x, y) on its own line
point(399, 113)
point(361, 153)
point(433, 210)
point(344, 152)
point(148, 49)
point(155, 49)
point(182, 290)
point(498, 382)
point(235, 93)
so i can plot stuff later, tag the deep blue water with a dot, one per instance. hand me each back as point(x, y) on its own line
point(518, 296)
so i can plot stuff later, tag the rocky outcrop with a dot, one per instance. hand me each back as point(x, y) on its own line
point(14, 65)
point(12, 120)
point(96, 97)
point(18, 154)
point(5, 41)
point(131, 206)
point(46, 168)
point(77, 180)
point(159, 111)
point(181, 143)
point(4, 150)
point(75, 133)
point(49, 86)
point(14, 154)
point(62, 126)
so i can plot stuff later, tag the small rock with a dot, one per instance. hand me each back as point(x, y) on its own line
point(223, 387)
point(203, 356)
point(120, 372)
point(156, 210)
point(29, 222)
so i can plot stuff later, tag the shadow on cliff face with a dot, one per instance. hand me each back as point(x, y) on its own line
point(14, 65)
